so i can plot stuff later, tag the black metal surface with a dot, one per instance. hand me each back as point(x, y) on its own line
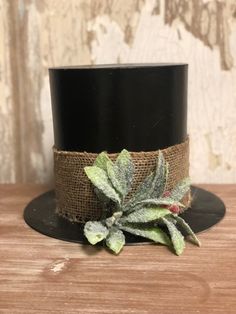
point(140, 107)
point(206, 211)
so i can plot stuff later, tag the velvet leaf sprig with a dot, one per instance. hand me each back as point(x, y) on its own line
point(151, 212)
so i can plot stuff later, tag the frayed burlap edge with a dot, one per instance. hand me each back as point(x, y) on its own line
point(75, 197)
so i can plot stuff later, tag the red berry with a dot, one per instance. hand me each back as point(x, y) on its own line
point(174, 209)
point(166, 194)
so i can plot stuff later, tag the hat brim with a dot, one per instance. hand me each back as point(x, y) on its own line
point(206, 210)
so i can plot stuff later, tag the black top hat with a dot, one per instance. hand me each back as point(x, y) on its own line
point(139, 107)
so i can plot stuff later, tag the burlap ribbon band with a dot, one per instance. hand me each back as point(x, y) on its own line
point(75, 198)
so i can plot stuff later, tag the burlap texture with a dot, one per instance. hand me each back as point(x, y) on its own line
point(75, 198)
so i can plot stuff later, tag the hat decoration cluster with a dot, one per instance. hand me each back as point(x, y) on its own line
point(151, 212)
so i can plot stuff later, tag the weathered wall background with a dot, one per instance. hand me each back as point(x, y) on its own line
point(36, 34)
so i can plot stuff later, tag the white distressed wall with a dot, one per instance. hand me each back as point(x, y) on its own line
point(37, 34)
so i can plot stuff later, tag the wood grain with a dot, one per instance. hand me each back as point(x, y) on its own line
point(43, 275)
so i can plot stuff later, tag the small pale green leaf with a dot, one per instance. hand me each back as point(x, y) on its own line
point(161, 201)
point(115, 240)
point(101, 181)
point(188, 230)
point(153, 233)
point(144, 215)
point(180, 189)
point(176, 237)
point(95, 231)
point(125, 166)
point(101, 161)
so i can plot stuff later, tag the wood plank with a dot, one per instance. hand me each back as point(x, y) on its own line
point(43, 275)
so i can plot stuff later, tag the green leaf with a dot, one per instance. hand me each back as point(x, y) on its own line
point(115, 240)
point(153, 233)
point(121, 173)
point(176, 237)
point(161, 201)
point(141, 192)
point(115, 178)
point(95, 231)
point(180, 189)
point(153, 185)
point(101, 181)
point(160, 178)
point(144, 215)
point(125, 166)
point(101, 161)
point(188, 230)
point(101, 197)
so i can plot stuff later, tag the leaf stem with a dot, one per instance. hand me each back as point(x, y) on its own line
point(113, 219)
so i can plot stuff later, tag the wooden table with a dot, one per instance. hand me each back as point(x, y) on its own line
point(44, 275)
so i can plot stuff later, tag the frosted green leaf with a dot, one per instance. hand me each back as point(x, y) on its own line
point(101, 197)
point(160, 178)
point(171, 218)
point(115, 240)
point(176, 237)
point(188, 230)
point(153, 185)
point(101, 181)
point(153, 233)
point(161, 201)
point(180, 189)
point(125, 166)
point(101, 161)
point(141, 192)
point(145, 215)
point(95, 231)
point(115, 177)
point(121, 173)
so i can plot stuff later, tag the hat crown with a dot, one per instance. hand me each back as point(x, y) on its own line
point(140, 107)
